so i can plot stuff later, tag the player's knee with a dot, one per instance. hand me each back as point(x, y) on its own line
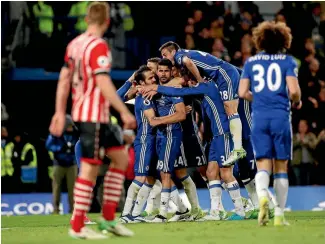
point(119, 159)
point(141, 179)
point(202, 170)
point(280, 166)
point(89, 171)
point(150, 180)
point(166, 179)
point(231, 107)
point(226, 174)
point(212, 171)
point(181, 173)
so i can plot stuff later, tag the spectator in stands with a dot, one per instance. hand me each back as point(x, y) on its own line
point(189, 42)
point(304, 144)
point(4, 113)
point(219, 50)
point(320, 158)
point(64, 163)
point(279, 17)
point(216, 28)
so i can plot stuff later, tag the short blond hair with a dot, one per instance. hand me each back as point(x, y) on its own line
point(98, 13)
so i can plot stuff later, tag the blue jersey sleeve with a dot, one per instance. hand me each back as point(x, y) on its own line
point(245, 72)
point(176, 100)
point(147, 104)
point(77, 151)
point(124, 89)
point(179, 58)
point(199, 89)
point(292, 68)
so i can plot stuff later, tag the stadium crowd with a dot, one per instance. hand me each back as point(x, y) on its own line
point(213, 28)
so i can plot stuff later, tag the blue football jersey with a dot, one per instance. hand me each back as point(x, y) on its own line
point(205, 62)
point(143, 127)
point(212, 104)
point(124, 90)
point(267, 74)
point(165, 106)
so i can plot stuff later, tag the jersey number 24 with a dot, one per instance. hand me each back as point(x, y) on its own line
point(263, 77)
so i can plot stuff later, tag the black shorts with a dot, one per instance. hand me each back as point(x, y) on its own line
point(194, 151)
point(97, 139)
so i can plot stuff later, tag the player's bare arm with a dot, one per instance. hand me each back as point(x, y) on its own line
point(294, 91)
point(178, 116)
point(243, 90)
point(63, 90)
point(192, 68)
point(150, 115)
point(131, 93)
point(62, 94)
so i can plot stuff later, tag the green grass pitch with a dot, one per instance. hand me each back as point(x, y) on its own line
point(306, 227)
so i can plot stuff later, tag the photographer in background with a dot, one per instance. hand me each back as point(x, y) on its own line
point(64, 163)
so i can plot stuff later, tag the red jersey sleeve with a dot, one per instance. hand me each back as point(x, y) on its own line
point(100, 59)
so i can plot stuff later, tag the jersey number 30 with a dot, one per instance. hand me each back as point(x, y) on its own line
point(273, 84)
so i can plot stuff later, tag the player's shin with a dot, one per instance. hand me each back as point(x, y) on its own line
point(236, 130)
point(191, 192)
point(262, 181)
point(165, 194)
point(234, 192)
point(82, 201)
point(131, 196)
point(153, 202)
point(141, 199)
point(113, 184)
point(177, 200)
point(215, 195)
point(251, 189)
point(281, 186)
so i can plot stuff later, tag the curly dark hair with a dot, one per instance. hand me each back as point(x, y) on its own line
point(272, 37)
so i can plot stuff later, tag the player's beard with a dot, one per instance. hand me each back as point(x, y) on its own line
point(164, 80)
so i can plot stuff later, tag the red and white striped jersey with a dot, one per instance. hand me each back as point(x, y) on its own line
point(86, 57)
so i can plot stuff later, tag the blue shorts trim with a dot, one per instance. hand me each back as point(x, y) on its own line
point(272, 138)
point(220, 148)
point(145, 157)
point(228, 82)
point(168, 150)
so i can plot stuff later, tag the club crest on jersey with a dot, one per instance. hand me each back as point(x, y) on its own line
point(296, 71)
point(179, 60)
point(146, 102)
point(103, 61)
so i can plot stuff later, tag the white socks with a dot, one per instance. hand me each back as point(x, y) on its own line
point(153, 201)
point(251, 189)
point(262, 181)
point(164, 202)
point(215, 195)
point(131, 196)
point(236, 130)
point(141, 199)
point(281, 186)
point(190, 190)
point(234, 192)
point(177, 200)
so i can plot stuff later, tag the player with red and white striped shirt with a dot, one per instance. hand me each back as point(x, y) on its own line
point(88, 62)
